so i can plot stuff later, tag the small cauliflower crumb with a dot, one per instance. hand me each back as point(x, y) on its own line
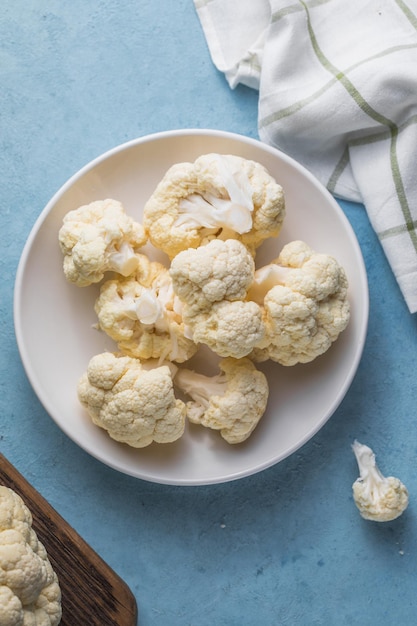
point(378, 498)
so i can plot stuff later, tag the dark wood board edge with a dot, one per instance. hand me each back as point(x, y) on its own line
point(92, 593)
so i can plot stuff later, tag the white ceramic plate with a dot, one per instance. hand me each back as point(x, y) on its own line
point(54, 319)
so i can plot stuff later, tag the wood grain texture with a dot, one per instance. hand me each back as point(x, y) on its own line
point(92, 593)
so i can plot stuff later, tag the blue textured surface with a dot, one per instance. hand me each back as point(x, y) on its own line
point(286, 546)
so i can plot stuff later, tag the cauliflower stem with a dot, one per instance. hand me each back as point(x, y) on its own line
point(232, 401)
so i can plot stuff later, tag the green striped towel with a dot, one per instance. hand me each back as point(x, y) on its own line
point(337, 83)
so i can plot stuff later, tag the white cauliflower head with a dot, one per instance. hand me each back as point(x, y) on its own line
point(304, 297)
point(97, 238)
point(144, 316)
point(29, 590)
point(133, 404)
point(378, 498)
point(232, 402)
point(217, 196)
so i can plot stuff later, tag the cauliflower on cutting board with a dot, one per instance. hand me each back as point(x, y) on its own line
point(217, 196)
point(135, 405)
point(304, 297)
point(29, 590)
point(97, 238)
point(212, 281)
point(142, 314)
point(232, 402)
point(378, 498)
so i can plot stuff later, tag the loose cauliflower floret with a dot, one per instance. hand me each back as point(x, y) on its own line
point(97, 238)
point(304, 297)
point(217, 196)
point(230, 329)
point(134, 405)
point(232, 402)
point(29, 590)
point(378, 498)
point(144, 316)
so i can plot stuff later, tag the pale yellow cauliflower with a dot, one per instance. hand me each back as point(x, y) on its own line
point(217, 196)
point(135, 405)
point(212, 282)
point(142, 314)
point(29, 590)
point(228, 328)
point(220, 270)
point(97, 238)
point(232, 402)
point(378, 498)
point(304, 298)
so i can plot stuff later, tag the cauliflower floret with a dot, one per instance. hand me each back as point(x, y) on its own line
point(144, 316)
point(11, 610)
point(378, 498)
point(97, 238)
point(212, 282)
point(230, 329)
point(133, 404)
point(217, 196)
point(220, 270)
point(304, 297)
point(16, 515)
point(232, 402)
point(29, 588)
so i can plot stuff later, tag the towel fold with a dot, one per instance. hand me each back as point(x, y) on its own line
point(337, 85)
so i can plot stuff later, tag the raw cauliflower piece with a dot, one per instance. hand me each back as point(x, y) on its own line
point(232, 402)
point(144, 316)
point(217, 196)
point(212, 282)
point(220, 270)
point(133, 404)
point(97, 238)
point(230, 329)
point(29, 590)
point(378, 498)
point(304, 297)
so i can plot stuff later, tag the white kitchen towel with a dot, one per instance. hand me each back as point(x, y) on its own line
point(337, 83)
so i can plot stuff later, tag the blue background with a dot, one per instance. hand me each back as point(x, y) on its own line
point(286, 546)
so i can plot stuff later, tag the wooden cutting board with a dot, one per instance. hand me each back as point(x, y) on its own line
point(92, 593)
